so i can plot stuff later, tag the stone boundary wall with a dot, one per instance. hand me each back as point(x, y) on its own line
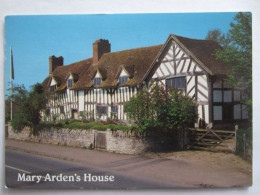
point(116, 141)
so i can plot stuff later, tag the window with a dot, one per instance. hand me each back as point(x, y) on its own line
point(237, 111)
point(217, 96)
point(244, 112)
point(53, 88)
point(81, 113)
point(70, 83)
point(236, 96)
point(217, 111)
point(177, 82)
point(102, 110)
point(62, 109)
point(97, 81)
point(114, 109)
point(228, 96)
point(122, 80)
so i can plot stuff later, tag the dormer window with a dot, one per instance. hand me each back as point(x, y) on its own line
point(70, 83)
point(122, 80)
point(53, 88)
point(97, 81)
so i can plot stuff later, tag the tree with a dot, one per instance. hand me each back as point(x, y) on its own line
point(30, 103)
point(159, 112)
point(218, 36)
point(238, 53)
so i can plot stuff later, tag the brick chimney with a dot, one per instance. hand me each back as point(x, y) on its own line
point(54, 62)
point(100, 47)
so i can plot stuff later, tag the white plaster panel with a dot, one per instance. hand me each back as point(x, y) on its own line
point(53, 82)
point(81, 100)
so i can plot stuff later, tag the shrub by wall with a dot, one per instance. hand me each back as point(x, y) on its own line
point(244, 143)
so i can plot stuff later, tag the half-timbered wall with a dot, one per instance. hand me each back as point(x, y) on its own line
point(175, 62)
point(62, 105)
point(115, 97)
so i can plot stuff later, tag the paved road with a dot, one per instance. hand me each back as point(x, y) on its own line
point(22, 168)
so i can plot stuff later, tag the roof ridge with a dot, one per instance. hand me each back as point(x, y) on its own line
point(132, 49)
point(206, 40)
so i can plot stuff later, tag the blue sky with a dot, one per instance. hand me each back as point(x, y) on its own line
point(35, 38)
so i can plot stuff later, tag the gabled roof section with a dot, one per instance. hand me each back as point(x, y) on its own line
point(202, 51)
point(130, 70)
point(57, 79)
point(103, 73)
point(75, 76)
point(61, 74)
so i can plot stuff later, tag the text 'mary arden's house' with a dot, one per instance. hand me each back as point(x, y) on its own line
point(98, 87)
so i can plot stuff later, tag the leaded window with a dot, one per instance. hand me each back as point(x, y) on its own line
point(114, 109)
point(53, 88)
point(122, 80)
point(97, 81)
point(70, 83)
point(102, 110)
point(176, 82)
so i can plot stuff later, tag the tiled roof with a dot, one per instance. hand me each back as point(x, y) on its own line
point(136, 62)
point(203, 51)
point(61, 73)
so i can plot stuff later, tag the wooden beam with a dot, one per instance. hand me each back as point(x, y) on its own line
point(183, 66)
point(174, 62)
point(180, 61)
point(182, 74)
point(202, 93)
point(176, 59)
point(202, 102)
point(196, 88)
point(210, 92)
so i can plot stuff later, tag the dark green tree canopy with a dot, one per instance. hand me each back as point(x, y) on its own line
point(30, 103)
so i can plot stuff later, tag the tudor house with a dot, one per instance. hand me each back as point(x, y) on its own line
point(98, 87)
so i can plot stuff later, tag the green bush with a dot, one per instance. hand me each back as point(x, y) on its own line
point(75, 124)
point(90, 147)
point(18, 122)
point(7, 117)
point(161, 112)
point(30, 104)
point(244, 143)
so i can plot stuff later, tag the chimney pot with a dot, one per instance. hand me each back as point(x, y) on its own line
point(54, 62)
point(100, 47)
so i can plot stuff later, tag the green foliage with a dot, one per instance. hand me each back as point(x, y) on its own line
point(238, 52)
point(30, 103)
point(160, 112)
point(218, 36)
point(244, 143)
point(75, 124)
point(7, 117)
point(90, 147)
point(18, 122)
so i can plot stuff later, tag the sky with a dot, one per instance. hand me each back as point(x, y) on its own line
point(34, 38)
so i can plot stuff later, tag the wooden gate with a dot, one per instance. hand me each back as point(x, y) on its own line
point(208, 139)
point(100, 140)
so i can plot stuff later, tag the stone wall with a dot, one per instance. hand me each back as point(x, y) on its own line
point(113, 141)
point(125, 142)
point(116, 141)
